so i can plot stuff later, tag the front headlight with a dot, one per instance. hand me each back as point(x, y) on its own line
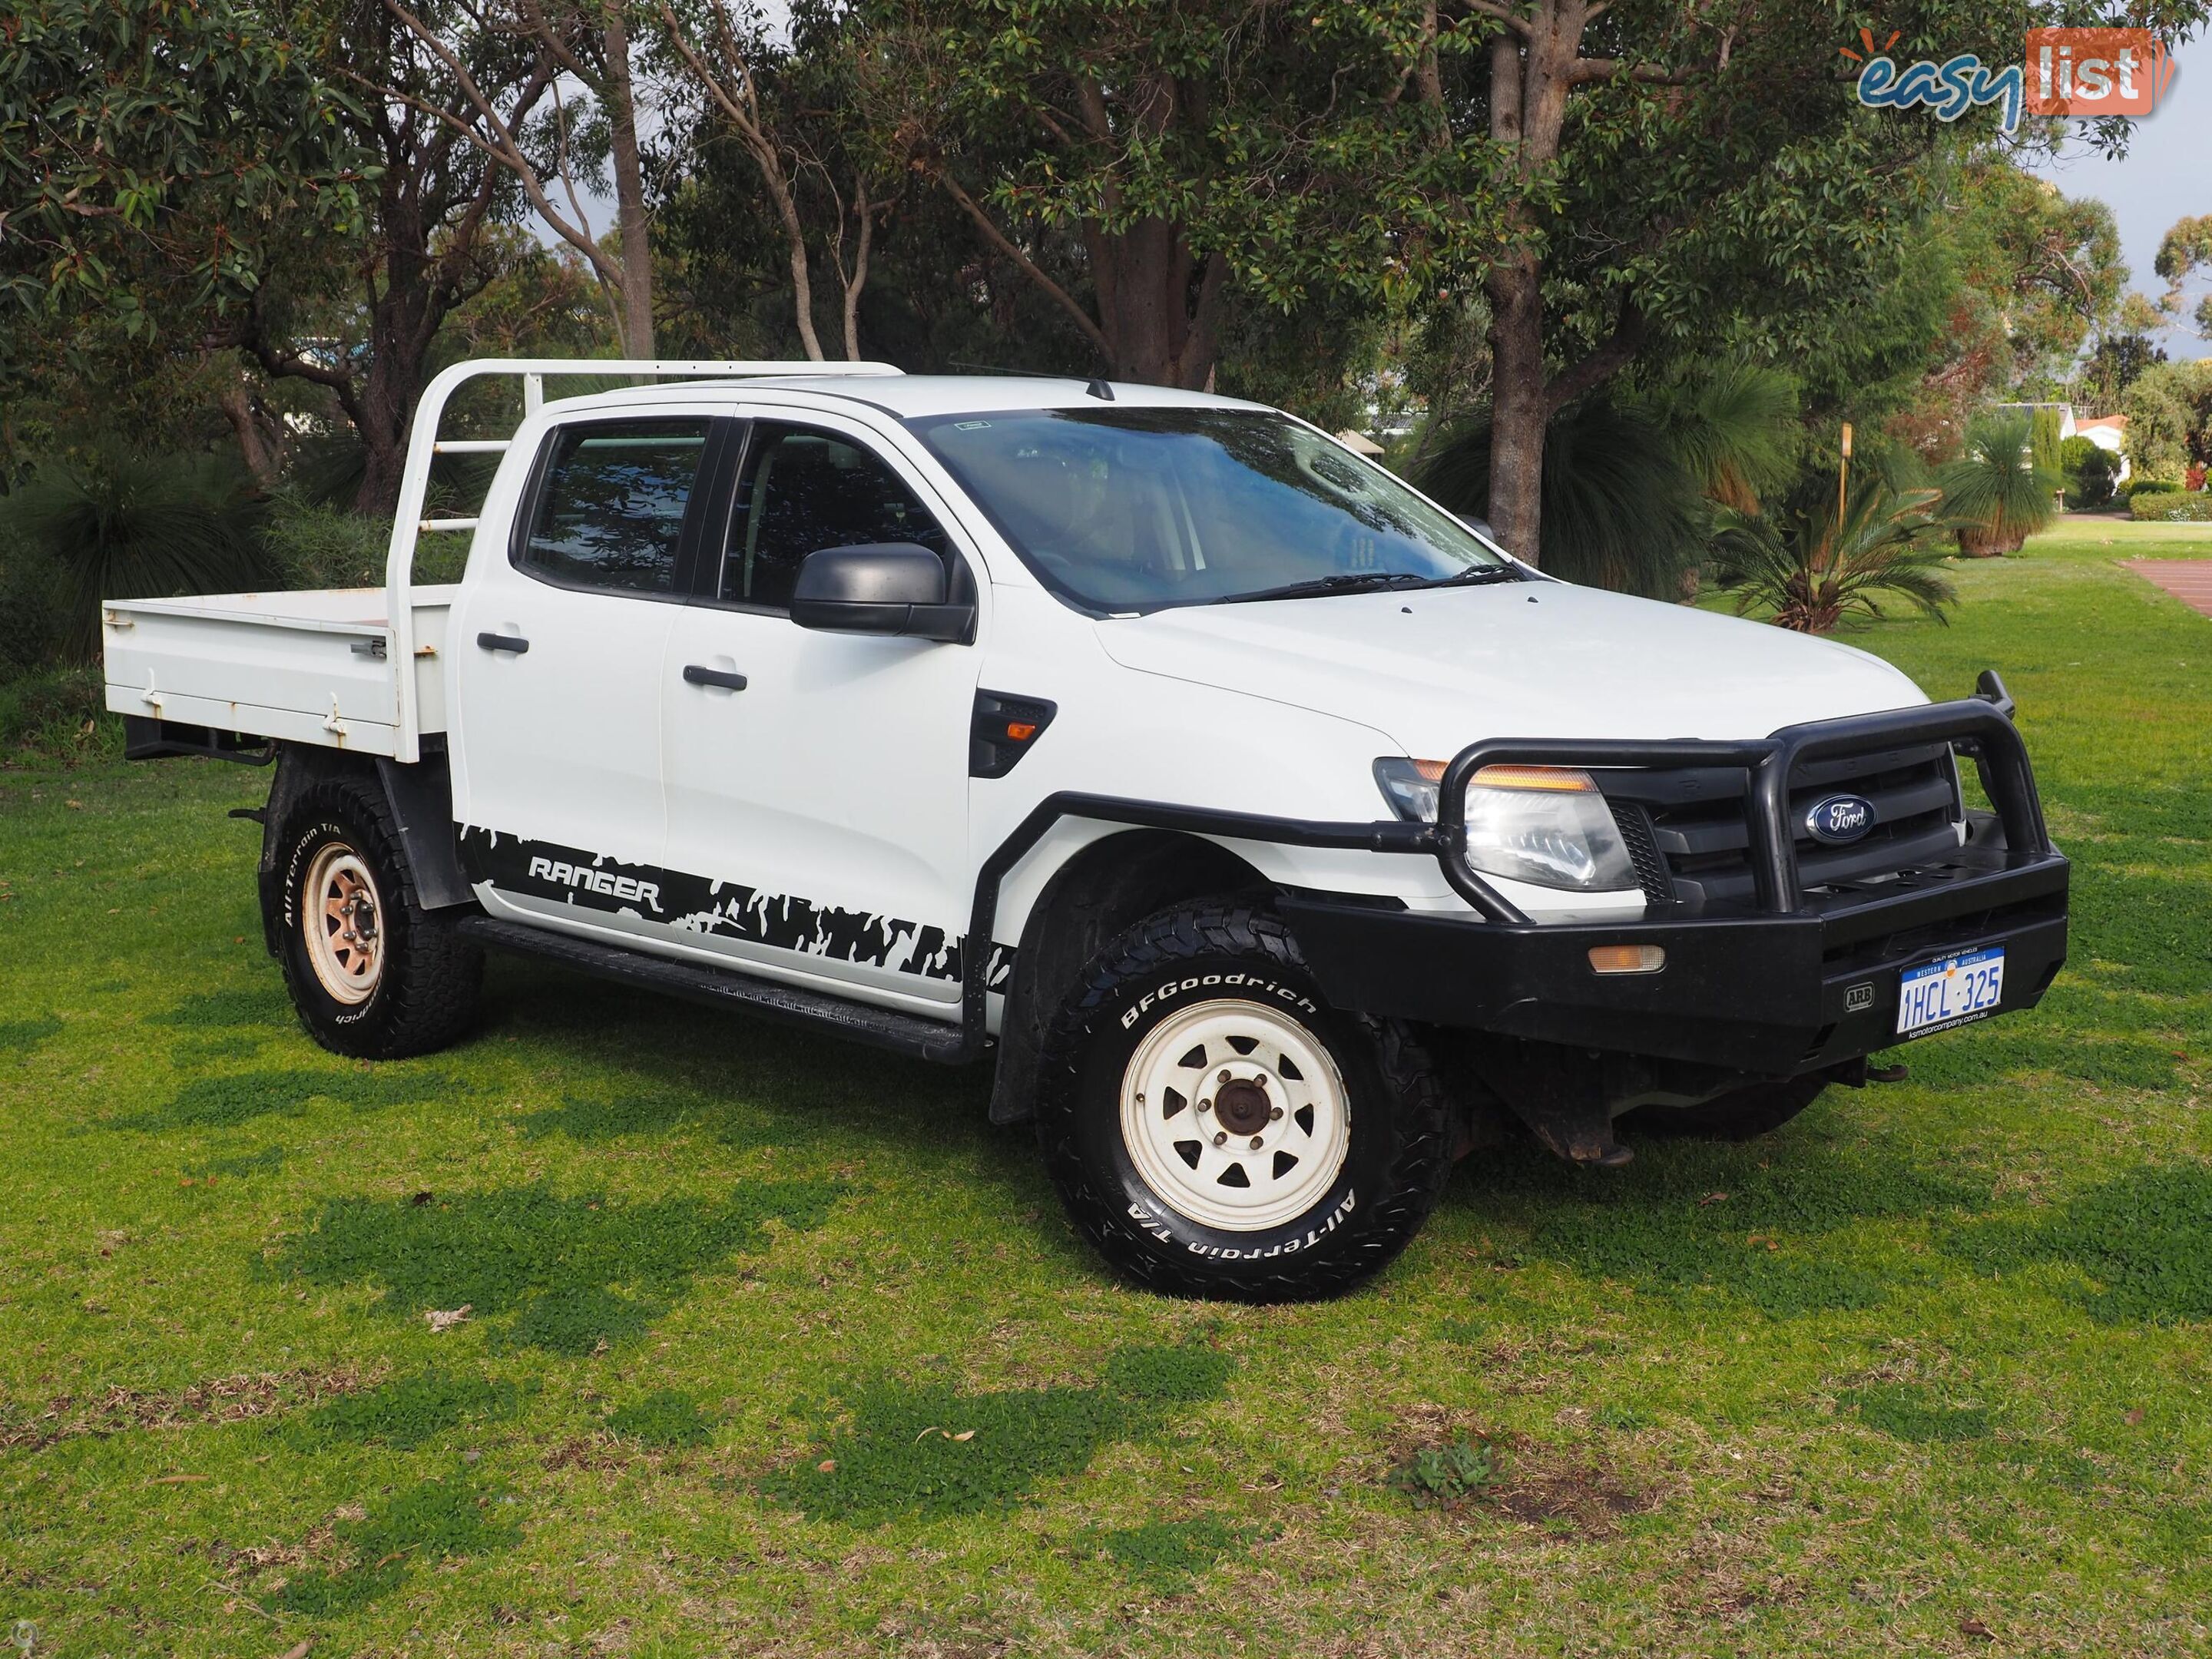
point(1545, 825)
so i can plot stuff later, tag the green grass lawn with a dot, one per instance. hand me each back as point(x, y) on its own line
point(775, 1347)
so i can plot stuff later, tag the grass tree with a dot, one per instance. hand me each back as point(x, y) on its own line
point(2001, 489)
point(1809, 570)
point(130, 526)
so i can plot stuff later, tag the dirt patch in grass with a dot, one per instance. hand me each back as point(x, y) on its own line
point(221, 1400)
point(1451, 1464)
point(551, 1260)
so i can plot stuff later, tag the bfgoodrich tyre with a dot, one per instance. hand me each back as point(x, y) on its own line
point(374, 976)
point(1216, 1129)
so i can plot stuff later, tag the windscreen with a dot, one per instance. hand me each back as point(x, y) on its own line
point(1135, 509)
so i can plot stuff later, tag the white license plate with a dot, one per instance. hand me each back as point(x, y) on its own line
point(1951, 991)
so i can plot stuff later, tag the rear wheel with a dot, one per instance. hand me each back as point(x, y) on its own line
point(373, 975)
point(1741, 1114)
point(1216, 1129)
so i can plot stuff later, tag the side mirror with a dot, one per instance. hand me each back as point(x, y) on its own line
point(885, 587)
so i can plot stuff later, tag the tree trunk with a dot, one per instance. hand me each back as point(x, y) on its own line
point(630, 193)
point(1158, 310)
point(254, 444)
point(1519, 411)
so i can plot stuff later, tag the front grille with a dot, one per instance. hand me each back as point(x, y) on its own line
point(1692, 825)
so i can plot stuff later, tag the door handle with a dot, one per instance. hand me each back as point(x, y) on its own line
point(696, 674)
point(514, 642)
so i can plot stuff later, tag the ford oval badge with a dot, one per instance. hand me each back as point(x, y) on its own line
point(1840, 820)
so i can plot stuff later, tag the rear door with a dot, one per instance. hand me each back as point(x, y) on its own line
point(557, 743)
point(818, 783)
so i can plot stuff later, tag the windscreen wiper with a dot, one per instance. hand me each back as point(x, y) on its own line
point(1348, 581)
point(1477, 575)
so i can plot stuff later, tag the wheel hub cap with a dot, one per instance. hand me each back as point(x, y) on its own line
point(345, 946)
point(1235, 1116)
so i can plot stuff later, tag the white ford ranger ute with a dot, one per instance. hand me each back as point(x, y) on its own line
point(1272, 834)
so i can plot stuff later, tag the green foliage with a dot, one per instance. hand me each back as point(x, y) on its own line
point(30, 607)
point(1803, 571)
point(311, 545)
point(1619, 510)
point(61, 714)
point(125, 526)
point(2184, 251)
point(665, 1419)
point(129, 126)
point(408, 1412)
point(2000, 490)
point(1444, 1477)
point(2169, 410)
point(1734, 425)
point(2089, 469)
point(2171, 507)
point(21, 1036)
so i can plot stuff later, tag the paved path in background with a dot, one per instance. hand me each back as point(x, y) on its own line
point(2189, 581)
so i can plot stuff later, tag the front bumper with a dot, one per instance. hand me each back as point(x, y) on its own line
point(1799, 981)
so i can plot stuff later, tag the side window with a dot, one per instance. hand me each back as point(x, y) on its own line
point(610, 510)
point(803, 488)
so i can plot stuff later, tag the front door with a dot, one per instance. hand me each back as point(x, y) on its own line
point(556, 734)
point(818, 814)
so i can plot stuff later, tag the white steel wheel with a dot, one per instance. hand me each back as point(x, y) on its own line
point(1235, 1116)
point(342, 919)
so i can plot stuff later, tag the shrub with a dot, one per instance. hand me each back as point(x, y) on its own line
point(2171, 507)
point(30, 608)
point(2089, 467)
point(123, 526)
point(1999, 493)
point(60, 713)
point(1808, 573)
point(309, 544)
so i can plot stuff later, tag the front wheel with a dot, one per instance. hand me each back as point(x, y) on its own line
point(1216, 1129)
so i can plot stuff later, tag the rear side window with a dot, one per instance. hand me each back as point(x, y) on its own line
point(803, 488)
point(611, 509)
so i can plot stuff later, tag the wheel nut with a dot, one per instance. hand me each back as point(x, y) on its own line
point(1224, 1075)
point(1255, 1143)
point(1274, 1113)
point(1219, 1140)
point(1205, 1105)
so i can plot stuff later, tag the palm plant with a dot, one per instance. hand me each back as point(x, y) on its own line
point(1620, 509)
point(1807, 571)
point(1734, 426)
point(2000, 491)
point(121, 527)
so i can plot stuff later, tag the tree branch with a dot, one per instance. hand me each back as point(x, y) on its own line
point(1615, 354)
point(999, 240)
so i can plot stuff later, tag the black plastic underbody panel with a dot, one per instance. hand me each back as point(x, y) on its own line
point(880, 1028)
point(1758, 992)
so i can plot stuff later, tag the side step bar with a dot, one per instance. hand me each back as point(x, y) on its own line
point(881, 1028)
